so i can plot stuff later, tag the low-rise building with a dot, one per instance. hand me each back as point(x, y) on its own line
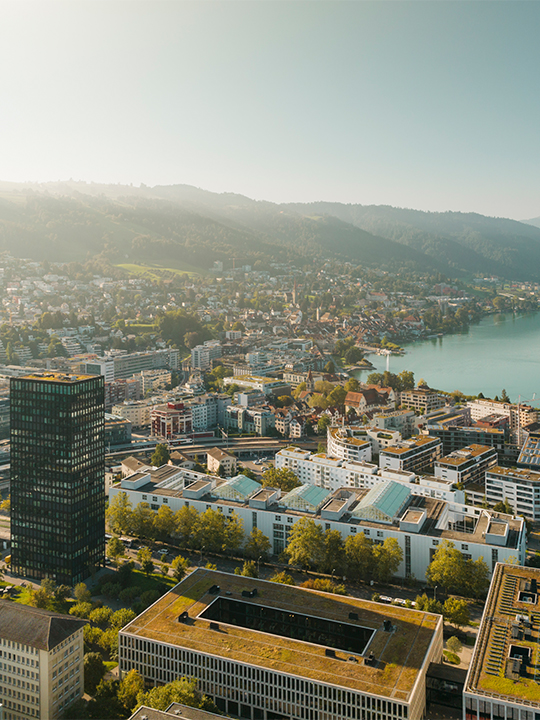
point(468, 465)
point(418, 454)
point(501, 681)
point(42, 662)
point(266, 385)
point(170, 420)
point(259, 420)
point(261, 650)
point(217, 458)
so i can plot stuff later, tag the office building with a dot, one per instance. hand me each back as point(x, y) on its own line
point(42, 658)
point(502, 681)
point(57, 476)
point(263, 651)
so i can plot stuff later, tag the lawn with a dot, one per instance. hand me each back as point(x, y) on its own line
point(155, 272)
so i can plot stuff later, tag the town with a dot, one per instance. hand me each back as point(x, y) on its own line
point(234, 423)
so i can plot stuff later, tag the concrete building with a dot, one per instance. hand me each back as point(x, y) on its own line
point(155, 379)
point(217, 458)
point(418, 454)
point(126, 365)
point(422, 400)
point(501, 681)
point(259, 420)
point(118, 391)
point(203, 355)
point(137, 412)
point(170, 420)
point(468, 465)
point(42, 662)
point(266, 385)
point(262, 651)
point(456, 437)
point(208, 411)
point(348, 443)
point(518, 486)
point(385, 509)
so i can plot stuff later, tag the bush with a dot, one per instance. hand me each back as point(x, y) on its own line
point(111, 590)
point(81, 609)
point(325, 585)
point(128, 595)
point(376, 597)
point(283, 578)
point(101, 615)
point(149, 597)
point(451, 657)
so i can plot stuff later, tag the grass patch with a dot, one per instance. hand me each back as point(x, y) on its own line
point(451, 657)
point(155, 272)
point(152, 582)
point(110, 665)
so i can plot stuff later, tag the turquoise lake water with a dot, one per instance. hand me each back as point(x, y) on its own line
point(501, 351)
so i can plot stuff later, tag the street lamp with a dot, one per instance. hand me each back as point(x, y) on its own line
point(435, 592)
point(259, 565)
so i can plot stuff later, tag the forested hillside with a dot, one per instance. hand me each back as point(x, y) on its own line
point(171, 225)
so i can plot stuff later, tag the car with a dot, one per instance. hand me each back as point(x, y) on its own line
point(385, 599)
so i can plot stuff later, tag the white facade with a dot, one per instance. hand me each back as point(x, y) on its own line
point(520, 487)
point(138, 412)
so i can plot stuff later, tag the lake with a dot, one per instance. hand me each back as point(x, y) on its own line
point(501, 351)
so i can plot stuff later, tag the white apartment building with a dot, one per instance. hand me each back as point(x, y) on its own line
point(349, 443)
point(137, 412)
point(520, 487)
point(519, 415)
point(387, 509)
point(264, 384)
point(202, 355)
point(417, 454)
point(208, 411)
point(422, 399)
point(42, 662)
point(155, 379)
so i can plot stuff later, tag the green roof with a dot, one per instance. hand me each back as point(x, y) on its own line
point(383, 502)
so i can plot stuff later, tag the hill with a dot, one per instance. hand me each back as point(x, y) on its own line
point(171, 225)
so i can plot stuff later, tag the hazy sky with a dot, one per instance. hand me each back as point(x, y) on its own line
point(432, 105)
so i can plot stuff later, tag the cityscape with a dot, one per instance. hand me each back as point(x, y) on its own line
point(269, 360)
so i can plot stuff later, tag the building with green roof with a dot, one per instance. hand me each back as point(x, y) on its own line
point(237, 488)
point(305, 498)
point(383, 503)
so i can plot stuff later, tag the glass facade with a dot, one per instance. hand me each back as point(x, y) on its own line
point(57, 476)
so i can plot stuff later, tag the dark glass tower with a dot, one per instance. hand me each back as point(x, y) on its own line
point(57, 476)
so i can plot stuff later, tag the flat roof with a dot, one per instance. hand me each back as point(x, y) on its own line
point(464, 455)
point(59, 377)
point(400, 654)
point(488, 669)
point(406, 445)
point(515, 473)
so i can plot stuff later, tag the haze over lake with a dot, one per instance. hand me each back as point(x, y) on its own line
point(501, 351)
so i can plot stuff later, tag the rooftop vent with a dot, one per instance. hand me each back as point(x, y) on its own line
point(353, 616)
point(387, 625)
point(370, 660)
point(214, 590)
point(183, 616)
point(330, 653)
point(214, 626)
point(250, 593)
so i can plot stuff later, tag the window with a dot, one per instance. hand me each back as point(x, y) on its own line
point(464, 547)
point(278, 518)
point(353, 530)
point(145, 497)
point(379, 533)
point(435, 542)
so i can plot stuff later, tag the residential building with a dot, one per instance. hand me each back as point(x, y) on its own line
point(114, 367)
point(175, 711)
point(170, 420)
point(208, 411)
point(348, 443)
point(117, 430)
point(57, 476)
point(501, 680)
point(217, 458)
point(418, 454)
point(155, 380)
point(259, 420)
point(262, 651)
point(456, 438)
point(42, 657)
point(118, 391)
point(519, 415)
point(468, 465)
point(518, 486)
point(401, 420)
point(422, 399)
point(368, 400)
point(266, 385)
point(203, 355)
point(137, 412)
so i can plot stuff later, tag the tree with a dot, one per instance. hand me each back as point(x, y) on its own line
point(337, 397)
point(456, 611)
point(124, 573)
point(115, 548)
point(503, 506)
point(179, 691)
point(234, 532)
point(447, 567)
point(186, 520)
point(144, 556)
point(257, 545)
point(406, 380)
point(130, 686)
point(323, 423)
point(81, 609)
point(359, 556)
point(504, 397)
point(94, 670)
point(180, 567)
point(353, 355)
point(165, 522)
point(282, 577)
point(248, 569)
point(330, 368)
point(333, 560)
point(284, 479)
point(61, 593)
point(387, 558)
point(5, 505)
point(142, 521)
point(161, 455)
point(209, 531)
point(119, 514)
point(306, 544)
point(454, 645)
point(352, 385)
point(122, 617)
point(81, 593)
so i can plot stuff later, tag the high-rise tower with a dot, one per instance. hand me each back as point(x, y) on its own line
point(57, 476)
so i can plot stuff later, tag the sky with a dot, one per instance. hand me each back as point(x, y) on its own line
point(429, 104)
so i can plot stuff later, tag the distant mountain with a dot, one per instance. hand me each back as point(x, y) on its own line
point(171, 225)
point(532, 221)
